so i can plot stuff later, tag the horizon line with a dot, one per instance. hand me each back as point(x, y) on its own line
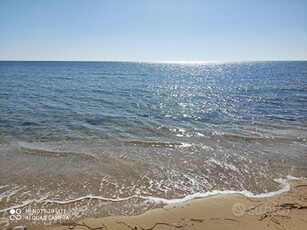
point(153, 61)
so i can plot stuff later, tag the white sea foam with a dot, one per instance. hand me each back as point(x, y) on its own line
point(3, 186)
point(19, 227)
point(25, 203)
point(225, 164)
point(185, 145)
point(289, 177)
point(285, 187)
point(206, 147)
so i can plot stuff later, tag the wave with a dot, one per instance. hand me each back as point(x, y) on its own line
point(256, 138)
point(284, 183)
point(47, 152)
point(151, 144)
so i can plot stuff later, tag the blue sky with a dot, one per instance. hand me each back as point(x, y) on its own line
point(153, 30)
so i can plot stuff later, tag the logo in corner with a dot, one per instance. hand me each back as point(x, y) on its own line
point(15, 214)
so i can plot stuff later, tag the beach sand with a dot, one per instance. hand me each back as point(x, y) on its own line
point(285, 211)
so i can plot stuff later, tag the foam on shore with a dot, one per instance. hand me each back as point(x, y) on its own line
point(285, 187)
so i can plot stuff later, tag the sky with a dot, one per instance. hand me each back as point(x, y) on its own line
point(153, 30)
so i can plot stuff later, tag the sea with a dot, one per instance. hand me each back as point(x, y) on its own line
point(119, 138)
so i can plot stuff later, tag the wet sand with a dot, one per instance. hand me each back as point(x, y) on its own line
point(285, 211)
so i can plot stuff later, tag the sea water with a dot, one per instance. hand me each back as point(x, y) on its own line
point(120, 138)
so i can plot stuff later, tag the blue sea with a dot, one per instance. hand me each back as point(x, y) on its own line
point(120, 138)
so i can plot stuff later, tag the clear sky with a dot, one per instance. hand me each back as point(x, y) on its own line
point(153, 30)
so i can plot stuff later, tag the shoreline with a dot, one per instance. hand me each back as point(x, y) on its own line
point(287, 210)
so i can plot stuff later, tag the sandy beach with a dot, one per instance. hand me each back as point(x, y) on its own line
point(285, 211)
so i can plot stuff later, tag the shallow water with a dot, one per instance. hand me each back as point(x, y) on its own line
point(132, 136)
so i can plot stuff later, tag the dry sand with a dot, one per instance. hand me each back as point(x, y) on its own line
point(284, 212)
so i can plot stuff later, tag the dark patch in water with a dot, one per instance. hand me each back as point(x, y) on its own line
point(28, 123)
point(94, 122)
